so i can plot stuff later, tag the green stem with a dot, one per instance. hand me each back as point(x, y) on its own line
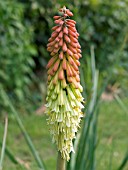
point(60, 162)
point(4, 142)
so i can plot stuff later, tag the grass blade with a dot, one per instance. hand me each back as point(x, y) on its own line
point(10, 155)
point(124, 162)
point(121, 104)
point(4, 142)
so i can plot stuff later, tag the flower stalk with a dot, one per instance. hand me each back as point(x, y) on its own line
point(60, 162)
point(64, 99)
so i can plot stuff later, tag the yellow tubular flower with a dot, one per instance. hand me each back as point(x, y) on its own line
point(64, 99)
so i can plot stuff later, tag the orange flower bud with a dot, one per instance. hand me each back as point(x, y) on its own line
point(56, 17)
point(64, 64)
point(61, 42)
point(61, 55)
point(69, 23)
point(77, 34)
point(50, 72)
point(54, 34)
point(77, 62)
point(69, 52)
point(75, 66)
point(72, 49)
point(60, 34)
point(56, 50)
point(76, 56)
point(57, 39)
point(73, 39)
point(51, 61)
point(69, 13)
point(61, 22)
point(78, 78)
point(56, 65)
point(55, 27)
point(78, 45)
point(71, 20)
point(56, 45)
point(49, 49)
point(69, 79)
point(67, 39)
point(73, 71)
point(79, 50)
point(74, 44)
point(58, 29)
point(51, 44)
point(65, 30)
point(61, 74)
point(50, 39)
point(72, 33)
point(65, 15)
point(57, 21)
point(64, 47)
point(79, 55)
point(72, 29)
point(71, 60)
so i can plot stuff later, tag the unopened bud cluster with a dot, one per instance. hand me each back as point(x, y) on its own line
point(64, 99)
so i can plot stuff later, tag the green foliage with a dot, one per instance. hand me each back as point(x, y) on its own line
point(16, 48)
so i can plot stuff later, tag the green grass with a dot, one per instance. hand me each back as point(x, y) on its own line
point(112, 132)
point(112, 136)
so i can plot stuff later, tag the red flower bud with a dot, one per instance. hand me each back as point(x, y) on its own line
point(69, 52)
point(64, 47)
point(64, 64)
point(56, 45)
point(71, 20)
point(57, 39)
point(60, 34)
point(56, 17)
point(61, 74)
point(73, 44)
point(65, 30)
point(56, 65)
point(67, 39)
point(54, 34)
point(61, 42)
point(55, 27)
point(72, 33)
point(69, 13)
point(51, 61)
point(73, 39)
point(61, 55)
point(58, 29)
point(70, 24)
point(72, 49)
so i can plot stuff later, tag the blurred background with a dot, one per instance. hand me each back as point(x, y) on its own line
point(25, 26)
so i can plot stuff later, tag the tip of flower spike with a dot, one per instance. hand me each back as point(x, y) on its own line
point(66, 12)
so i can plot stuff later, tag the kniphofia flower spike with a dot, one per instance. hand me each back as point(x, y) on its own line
point(64, 99)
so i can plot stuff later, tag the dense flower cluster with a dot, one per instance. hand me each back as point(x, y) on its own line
point(64, 99)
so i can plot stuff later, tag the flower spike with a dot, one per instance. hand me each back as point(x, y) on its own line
point(64, 99)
